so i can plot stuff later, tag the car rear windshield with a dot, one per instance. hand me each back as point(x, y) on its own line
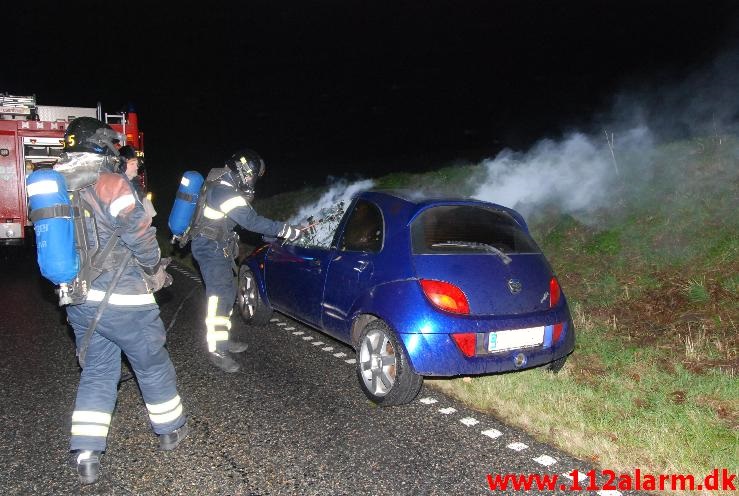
point(468, 229)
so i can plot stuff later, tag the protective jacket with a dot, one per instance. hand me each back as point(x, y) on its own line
point(226, 206)
point(115, 205)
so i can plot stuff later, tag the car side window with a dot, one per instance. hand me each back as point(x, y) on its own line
point(364, 229)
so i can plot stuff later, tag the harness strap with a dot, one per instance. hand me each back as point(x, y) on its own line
point(53, 211)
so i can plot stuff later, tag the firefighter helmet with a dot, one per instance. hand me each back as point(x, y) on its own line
point(85, 134)
point(247, 166)
point(127, 152)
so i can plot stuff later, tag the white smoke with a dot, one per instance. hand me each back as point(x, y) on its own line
point(323, 213)
point(577, 173)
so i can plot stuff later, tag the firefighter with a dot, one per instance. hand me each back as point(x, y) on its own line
point(228, 196)
point(131, 166)
point(131, 321)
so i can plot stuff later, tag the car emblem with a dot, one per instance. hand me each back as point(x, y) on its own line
point(514, 286)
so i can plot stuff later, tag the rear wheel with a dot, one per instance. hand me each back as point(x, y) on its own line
point(249, 302)
point(557, 365)
point(383, 368)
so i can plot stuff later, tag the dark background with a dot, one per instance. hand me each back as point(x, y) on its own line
point(357, 88)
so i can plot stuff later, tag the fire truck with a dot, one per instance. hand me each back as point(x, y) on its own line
point(32, 137)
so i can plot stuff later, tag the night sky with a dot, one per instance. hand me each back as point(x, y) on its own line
point(323, 88)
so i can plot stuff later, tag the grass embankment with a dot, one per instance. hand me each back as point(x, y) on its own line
point(653, 283)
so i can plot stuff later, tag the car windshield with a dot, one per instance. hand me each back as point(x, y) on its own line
point(461, 229)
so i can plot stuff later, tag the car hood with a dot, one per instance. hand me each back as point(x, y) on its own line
point(492, 287)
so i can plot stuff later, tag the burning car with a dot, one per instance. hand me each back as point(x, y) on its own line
point(419, 287)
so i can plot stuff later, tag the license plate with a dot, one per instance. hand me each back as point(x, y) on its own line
point(515, 338)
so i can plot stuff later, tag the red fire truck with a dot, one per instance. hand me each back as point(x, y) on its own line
point(31, 137)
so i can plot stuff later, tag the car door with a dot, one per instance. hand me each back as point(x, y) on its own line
point(295, 278)
point(351, 266)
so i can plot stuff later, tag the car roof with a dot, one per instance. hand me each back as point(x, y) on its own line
point(412, 201)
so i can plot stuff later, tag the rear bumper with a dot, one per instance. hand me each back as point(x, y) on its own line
point(438, 355)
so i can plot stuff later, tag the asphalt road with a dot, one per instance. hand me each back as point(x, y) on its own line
point(292, 421)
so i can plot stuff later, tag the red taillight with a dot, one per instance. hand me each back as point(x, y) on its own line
point(554, 292)
point(557, 332)
point(445, 296)
point(466, 342)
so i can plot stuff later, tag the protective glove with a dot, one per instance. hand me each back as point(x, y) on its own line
point(160, 278)
point(290, 233)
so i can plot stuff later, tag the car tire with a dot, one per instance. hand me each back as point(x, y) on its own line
point(249, 302)
point(383, 367)
point(557, 365)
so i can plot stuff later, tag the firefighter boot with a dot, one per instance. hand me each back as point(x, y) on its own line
point(169, 441)
point(236, 346)
point(88, 466)
point(224, 362)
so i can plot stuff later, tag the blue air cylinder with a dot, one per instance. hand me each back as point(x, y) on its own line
point(185, 202)
point(54, 226)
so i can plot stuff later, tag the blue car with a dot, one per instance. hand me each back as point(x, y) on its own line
point(419, 287)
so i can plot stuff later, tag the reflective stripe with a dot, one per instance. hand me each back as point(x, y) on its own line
point(126, 300)
point(120, 204)
point(92, 417)
point(185, 181)
point(163, 407)
point(212, 337)
point(226, 183)
point(213, 214)
point(212, 319)
point(231, 203)
point(218, 321)
point(164, 418)
point(89, 430)
point(42, 188)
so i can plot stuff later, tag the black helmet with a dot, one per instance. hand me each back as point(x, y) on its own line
point(127, 152)
point(247, 166)
point(85, 134)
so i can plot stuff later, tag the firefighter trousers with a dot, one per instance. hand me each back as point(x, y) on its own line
point(216, 266)
point(140, 334)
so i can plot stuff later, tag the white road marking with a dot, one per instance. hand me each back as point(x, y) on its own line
point(274, 320)
point(339, 355)
point(447, 411)
point(469, 421)
point(307, 338)
point(328, 348)
point(281, 324)
point(492, 433)
point(517, 446)
point(298, 333)
point(317, 343)
point(428, 401)
point(545, 460)
point(351, 361)
point(289, 328)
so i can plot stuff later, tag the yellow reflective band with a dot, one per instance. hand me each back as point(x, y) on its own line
point(120, 204)
point(164, 418)
point(230, 204)
point(89, 430)
point(212, 337)
point(122, 299)
point(212, 214)
point(91, 417)
point(217, 321)
point(42, 188)
point(212, 306)
point(163, 407)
